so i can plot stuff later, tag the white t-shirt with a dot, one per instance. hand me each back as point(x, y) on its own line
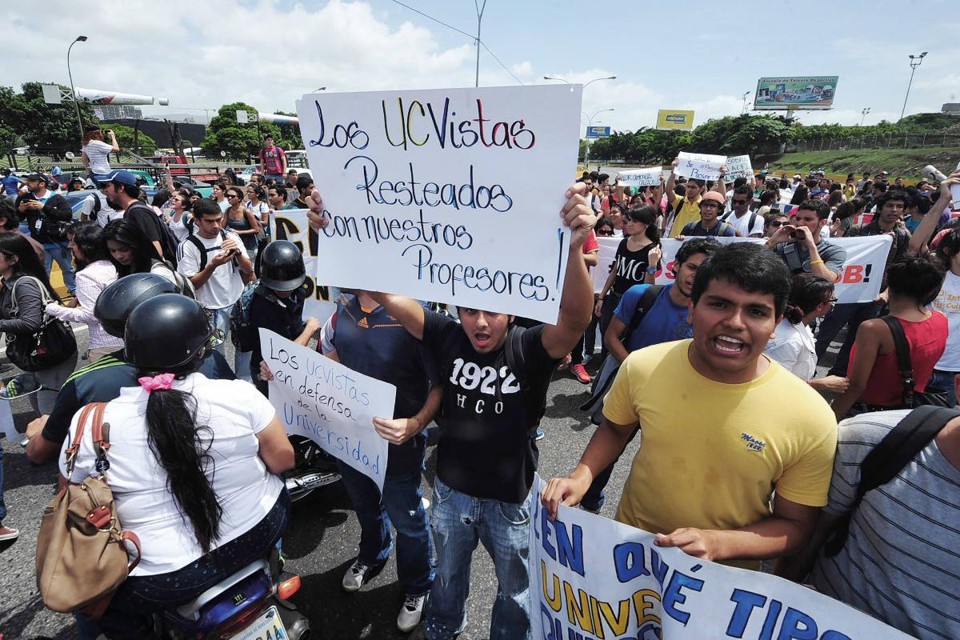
point(224, 287)
point(947, 302)
point(106, 214)
point(742, 224)
point(246, 490)
point(179, 227)
point(794, 348)
point(98, 153)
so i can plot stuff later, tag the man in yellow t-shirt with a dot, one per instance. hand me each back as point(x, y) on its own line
point(722, 426)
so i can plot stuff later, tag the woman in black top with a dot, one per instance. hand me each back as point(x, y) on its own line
point(632, 263)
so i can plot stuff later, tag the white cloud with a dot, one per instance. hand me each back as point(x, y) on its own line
point(525, 68)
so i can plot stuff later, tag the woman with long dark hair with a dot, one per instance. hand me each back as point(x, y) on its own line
point(193, 471)
point(242, 221)
point(632, 263)
point(132, 252)
point(913, 282)
point(95, 153)
point(257, 202)
point(17, 261)
point(94, 273)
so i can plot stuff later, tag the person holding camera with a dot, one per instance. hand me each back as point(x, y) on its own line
point(47, 215)
point(214, 260)
point(799, 243)
point(96, 153)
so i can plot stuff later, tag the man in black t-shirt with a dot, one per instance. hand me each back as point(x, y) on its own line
point(495, 380)
point(122, 191)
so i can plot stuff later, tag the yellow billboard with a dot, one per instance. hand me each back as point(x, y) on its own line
point(674, 119)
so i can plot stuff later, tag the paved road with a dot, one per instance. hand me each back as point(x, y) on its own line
point(321, 543)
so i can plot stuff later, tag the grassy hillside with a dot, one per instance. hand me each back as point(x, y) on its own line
point(905, 163)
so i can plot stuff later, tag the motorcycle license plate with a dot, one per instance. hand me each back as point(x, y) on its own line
point(267, 627)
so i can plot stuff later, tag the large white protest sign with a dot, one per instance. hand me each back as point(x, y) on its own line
point(641, 177)
point(291, 224)
point(446, 195)
point(860, 281)
point(332, 405)
point(738, 167)
point(701, 166)
point(591, 577)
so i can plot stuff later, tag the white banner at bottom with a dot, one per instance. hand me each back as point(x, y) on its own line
point(594, 578)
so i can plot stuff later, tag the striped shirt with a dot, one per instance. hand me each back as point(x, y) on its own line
point(901, 562)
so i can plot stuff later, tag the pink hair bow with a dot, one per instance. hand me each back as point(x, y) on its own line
point(161, 381)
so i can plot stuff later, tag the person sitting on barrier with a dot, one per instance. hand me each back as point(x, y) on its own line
point(193, 472)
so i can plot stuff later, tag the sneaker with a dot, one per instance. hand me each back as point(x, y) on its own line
point(354, 577)
point(580, 373)
point(410, 613)
point(6, 533)
point(540, 433)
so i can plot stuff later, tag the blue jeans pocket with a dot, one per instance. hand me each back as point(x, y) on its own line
point(515, 514)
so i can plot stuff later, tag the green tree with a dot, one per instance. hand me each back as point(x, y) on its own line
point(239, 140)
point(146, 146)
point(47, 128)
point(290, 134)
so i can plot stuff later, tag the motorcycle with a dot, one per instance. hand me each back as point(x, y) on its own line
point(314, 468)
point(252, 604)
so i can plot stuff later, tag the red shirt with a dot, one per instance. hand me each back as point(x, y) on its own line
point(927, 340)
point(590, 244)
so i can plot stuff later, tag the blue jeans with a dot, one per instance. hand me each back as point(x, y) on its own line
point(852, 314)
point(940, 379)
point(220, 320)
point(401, 507)
point(128, 615)
point(241, 364)
point(64, 256)
point(459, 521)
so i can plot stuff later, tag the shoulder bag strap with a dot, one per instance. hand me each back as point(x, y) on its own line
point(903, 358)
point(647, 300)
point(101, 436)
point(888, 458)
point(71, 451)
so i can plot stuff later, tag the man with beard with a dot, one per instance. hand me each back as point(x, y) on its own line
point(122, 192)
point(709, 224)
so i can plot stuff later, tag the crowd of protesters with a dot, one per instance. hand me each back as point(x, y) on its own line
point(715, 372)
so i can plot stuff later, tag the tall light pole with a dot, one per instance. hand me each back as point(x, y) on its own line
point(863, 114)
point(915, 61)
point(744, 110)
point(73, 90)
point(480, 8)
point(585, 85)
point(586, 152)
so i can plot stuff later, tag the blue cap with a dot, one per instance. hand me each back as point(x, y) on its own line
point(121, 176)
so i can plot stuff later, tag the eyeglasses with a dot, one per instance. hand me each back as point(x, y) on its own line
point(232, 195)
point(833, 300)
point(776, 223)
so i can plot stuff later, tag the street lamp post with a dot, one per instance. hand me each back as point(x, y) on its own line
point(586, 152)
point(585, 85)
point(73, 90)
point(319, 89)
point(863, 114)
point(915, 61)
point(745, 94)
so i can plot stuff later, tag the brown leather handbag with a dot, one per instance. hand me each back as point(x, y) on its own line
point(81, 555)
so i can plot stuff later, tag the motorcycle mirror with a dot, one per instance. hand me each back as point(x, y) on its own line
point(19, 386)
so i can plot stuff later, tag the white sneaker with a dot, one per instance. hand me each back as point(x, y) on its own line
point(354, 577)
point(410, 613)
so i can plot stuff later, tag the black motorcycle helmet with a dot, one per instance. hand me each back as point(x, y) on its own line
point(120, 298)
point(165, 333)
point(281, 266)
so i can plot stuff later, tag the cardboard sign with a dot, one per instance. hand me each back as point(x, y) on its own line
point(446, 195)
point(700, 166)
point(738, 167)
point(332, 405)
point(641, 177)
point(592, 577)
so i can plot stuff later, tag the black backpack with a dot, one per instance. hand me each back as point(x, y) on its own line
point(887, 459)
point(168, 242)
point(195, 241)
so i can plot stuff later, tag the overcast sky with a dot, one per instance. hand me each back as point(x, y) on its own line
point(680, 55)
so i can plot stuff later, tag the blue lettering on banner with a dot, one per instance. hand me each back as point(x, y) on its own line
point(568, 552)
point(795, 624)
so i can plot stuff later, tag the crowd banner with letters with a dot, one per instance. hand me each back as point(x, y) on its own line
point(332, 405)
point(641, 177)
point(592, 577)
point(738, 167)
point(291, 224)
point(859, 282)
point(701, 166)
point(446, 195)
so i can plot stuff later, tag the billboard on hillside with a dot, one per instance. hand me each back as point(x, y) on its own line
point(798, 92)
point(674, 119)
